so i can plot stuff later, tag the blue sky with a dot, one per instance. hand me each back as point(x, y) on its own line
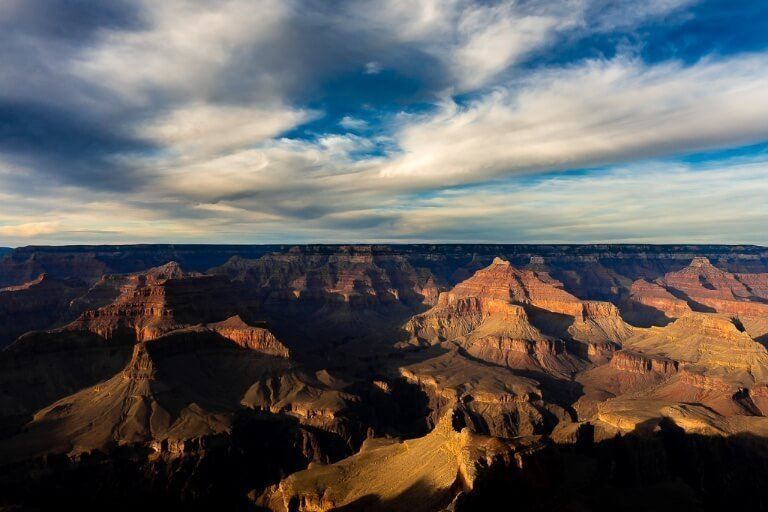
point(261, 121)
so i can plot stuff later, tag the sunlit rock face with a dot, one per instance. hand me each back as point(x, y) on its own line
point(250, 337)
point(651, 303)
point(709, 289)
point(379, 377)
point(502, 311)
point(442, 464)
point(158, 301)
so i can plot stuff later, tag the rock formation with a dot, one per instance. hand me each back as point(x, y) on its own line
point(158, 301)
point(492, 400)
point(707, 288)
point(352, 275)
point(701, 371)
point(420, 474)
point(520, 318)
point(383, 377)
point(178, 387)
point(35, 305)
point(250, 337)
point(707, 343)
point(650, 303)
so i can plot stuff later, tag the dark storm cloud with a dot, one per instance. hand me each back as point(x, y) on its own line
point(68, 148)
point(316, 57)
point(38, 38)
point(71, 20)
point(50, 124)
point(33, 128)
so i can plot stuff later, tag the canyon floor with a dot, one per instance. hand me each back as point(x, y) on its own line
point(384, 377)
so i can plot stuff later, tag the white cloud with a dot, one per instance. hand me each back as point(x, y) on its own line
point(491, 39)
point(352, 123)
point(202, 129)
point(29, 229)
point(588, 115)
point(476, 41)
point(184, 49)
point(595, 113)
point(656, 202)
point(372, 68)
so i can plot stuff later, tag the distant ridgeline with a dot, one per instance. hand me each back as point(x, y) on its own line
point(634, 261)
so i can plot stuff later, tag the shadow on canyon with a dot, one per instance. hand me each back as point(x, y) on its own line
point(656, 467)
point(215, 471)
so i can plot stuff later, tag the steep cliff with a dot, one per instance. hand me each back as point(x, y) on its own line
point(37, 304)
point(179, 387)
point(355, 275)
point(521, 319)
point(158, 301)
point(707, 288)
point(420, 474)
point(491, 400)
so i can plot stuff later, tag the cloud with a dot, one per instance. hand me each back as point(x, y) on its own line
point(183, 50)
point(352, 123)
point(29, 230)
point(68, 19)
point(158, 121)
point(660, 201)
point(601, 111)
point(372, 68)
point(654, 202)
point(492, 39)
point(591, 114)
point(68, 147)
point(203, 129)
point(475, 41)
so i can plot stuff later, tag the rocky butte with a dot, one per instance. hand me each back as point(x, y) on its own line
point(384, 377)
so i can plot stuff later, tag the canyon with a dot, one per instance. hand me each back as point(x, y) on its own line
point(384, 377)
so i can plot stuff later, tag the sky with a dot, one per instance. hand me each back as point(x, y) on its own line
point(336, 121)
